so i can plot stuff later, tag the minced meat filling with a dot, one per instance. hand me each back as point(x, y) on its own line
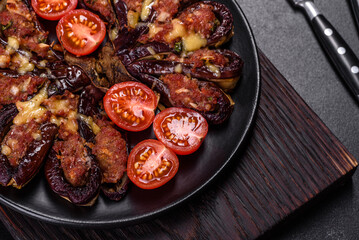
point(200, 20)
point(200, 58)
point(75, 161)
point(134, 5)
point(17, 21)
point(17, 141)
point(19, 88)
point(165, 9)
point(186, 92)
point(111, 152)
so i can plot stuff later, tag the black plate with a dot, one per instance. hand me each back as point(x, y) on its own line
point(195, 172)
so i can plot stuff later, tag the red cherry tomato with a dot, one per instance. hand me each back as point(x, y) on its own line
point(130, 105)
point(81, 32)
point(151, 164)
point(180, 129)
point(53, 9)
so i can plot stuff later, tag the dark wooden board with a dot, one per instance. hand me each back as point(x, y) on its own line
point(289, 158)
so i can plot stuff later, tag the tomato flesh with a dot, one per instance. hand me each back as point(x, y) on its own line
point(180, 129)
point(130, 105)
point(151, 164)
point(53, 9)
point(81, 32)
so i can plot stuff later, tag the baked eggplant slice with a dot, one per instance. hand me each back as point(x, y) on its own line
point(202, 24)
point(220, 66)
point(179, 90)
point(109, 146)
point(17, 168)
point(84, 195)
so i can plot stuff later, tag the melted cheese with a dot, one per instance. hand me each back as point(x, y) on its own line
point(178, 31)
point(146, 9)
point(132, 18)
point(214, 69)
point(193, 42)
point(153, 30)
point(31, 109)
point(89, 121)
point(12, 45)
point(71, 122)
point(24, 63)
point(178, 68)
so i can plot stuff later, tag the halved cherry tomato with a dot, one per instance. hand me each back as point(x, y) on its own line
point(53, 9)
point(180, 129)
point(151, 164)
point(130, 105)
point(81, 32)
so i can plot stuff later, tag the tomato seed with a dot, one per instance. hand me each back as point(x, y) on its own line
point(137, 165)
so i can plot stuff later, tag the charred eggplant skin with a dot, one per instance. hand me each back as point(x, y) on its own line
point(35, 155)
point(88, 103)
point(77, 195)
point(127, 38)
point(32, 160)
point(116, 191)
point(159, 67)
point(89, 99)
point(71, 78)
point(224, 31)
point(7, 114)
point(147, 50)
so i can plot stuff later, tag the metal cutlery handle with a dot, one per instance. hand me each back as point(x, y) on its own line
point(355, 6)
point(339, 51)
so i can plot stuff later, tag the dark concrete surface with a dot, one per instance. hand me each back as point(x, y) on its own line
point(286, 37)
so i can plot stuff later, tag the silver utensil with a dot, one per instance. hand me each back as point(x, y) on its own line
point(337, 49)
point(355, 7)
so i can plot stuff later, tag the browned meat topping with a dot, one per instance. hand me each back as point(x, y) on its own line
point(18, 139)
point(200, 20)
point(134, 5)
point(111, 152)
point(165, 9)
point(18, 89)
point(103, 7)
point(200, 58)
point(74, 158)
point(186, 92)
point(17, 21)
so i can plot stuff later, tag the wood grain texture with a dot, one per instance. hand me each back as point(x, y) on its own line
point(289, 158)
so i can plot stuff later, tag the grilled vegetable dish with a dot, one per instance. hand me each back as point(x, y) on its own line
point(71, 96)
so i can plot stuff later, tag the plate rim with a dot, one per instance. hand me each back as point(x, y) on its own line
point(143, 217)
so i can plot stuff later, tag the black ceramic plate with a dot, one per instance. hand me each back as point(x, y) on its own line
point(195, 171)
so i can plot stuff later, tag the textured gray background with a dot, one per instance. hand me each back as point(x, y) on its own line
point(286, 37)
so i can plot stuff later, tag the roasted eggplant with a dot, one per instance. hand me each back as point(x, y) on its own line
point(87, 153)
point(202, 24)
point(20, 171)
point(109, 147)
point(179, 90)
point(84, 195)
point(220, 66)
